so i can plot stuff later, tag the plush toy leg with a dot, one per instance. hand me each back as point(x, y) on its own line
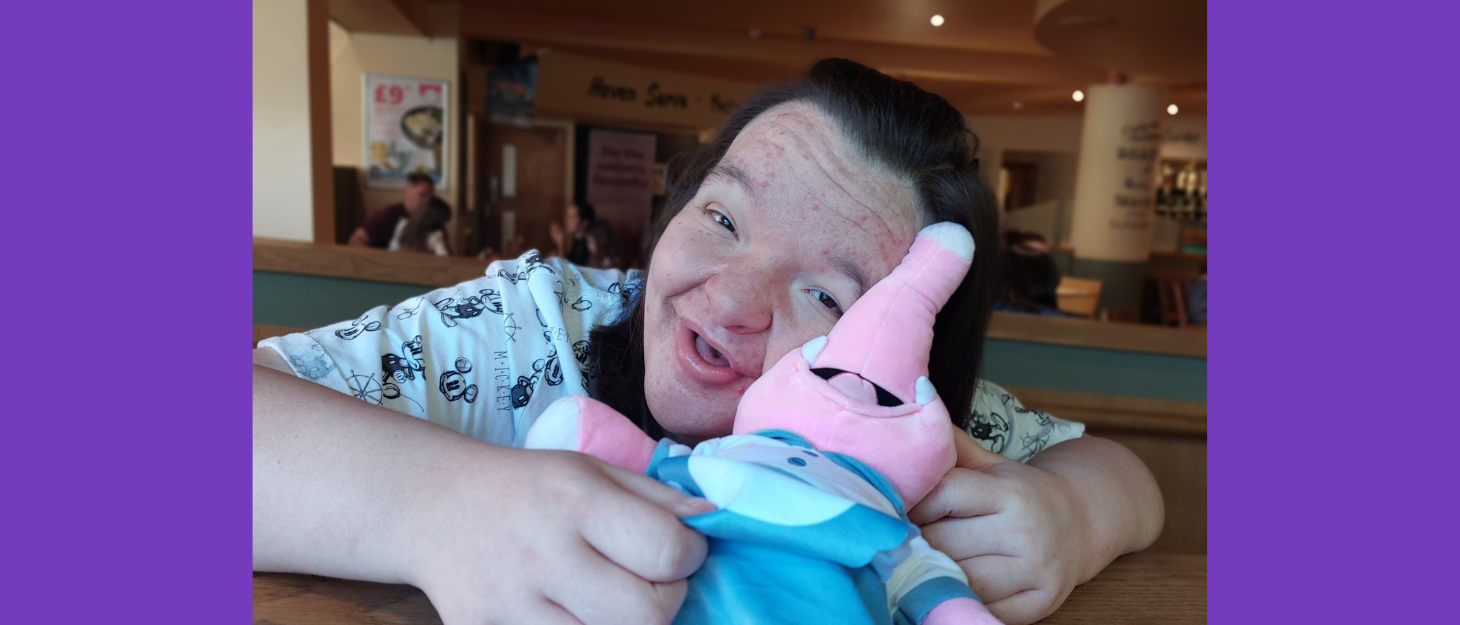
point(578, 423)
point(960, 611)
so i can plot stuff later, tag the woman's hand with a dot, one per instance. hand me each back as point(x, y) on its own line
point(1026, 535)
point(559, 537)
point(560, 246)
point(347, 489)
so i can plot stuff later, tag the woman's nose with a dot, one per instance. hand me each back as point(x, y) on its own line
point(741, 298)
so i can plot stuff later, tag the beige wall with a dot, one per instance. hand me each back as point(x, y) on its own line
point(282, 183)
point(352, 55)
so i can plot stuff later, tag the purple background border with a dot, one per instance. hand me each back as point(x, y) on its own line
point(1332, 358)
point(126, 455)
point(126, 448)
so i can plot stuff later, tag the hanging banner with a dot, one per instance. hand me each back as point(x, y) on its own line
point(621, 169)
point(512, 92)
point(405, 130)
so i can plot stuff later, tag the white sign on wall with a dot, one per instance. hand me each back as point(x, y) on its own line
point(621, 169)
point(405, 130)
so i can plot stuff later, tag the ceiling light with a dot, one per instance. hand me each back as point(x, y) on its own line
point(1079, 96)
point(1172, 109)
point(937, 20)
point(1018, 105)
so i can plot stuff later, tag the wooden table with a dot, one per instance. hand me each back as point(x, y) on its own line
point(1164, 588)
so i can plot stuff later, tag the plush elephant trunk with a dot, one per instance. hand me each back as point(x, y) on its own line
point(863, 390)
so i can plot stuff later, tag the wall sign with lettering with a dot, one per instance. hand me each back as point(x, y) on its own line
point(573, 85)
point(621, 169)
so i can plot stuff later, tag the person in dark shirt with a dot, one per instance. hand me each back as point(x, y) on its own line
point(380, 225)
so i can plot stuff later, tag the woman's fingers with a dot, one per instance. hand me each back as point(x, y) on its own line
point(1026, 606)
point(638, 528)
point(996, 578)
point(670, 499)
point(962, 539)
point(606, 594)
point(961, 493)
point(551, 613)
point(972, 455)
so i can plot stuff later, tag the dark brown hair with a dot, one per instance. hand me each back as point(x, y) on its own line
point(421, 225)
point(913, 134)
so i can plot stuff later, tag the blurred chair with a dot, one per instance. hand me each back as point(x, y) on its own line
point(1173, 302)
point(349, 203)
point(1079, 296)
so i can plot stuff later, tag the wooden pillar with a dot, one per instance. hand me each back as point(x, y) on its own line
point(321, 140)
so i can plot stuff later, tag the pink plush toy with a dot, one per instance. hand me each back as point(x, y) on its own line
point(830, 448)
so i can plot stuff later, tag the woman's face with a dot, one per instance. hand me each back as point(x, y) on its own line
point(570, 218)
point(785, 234)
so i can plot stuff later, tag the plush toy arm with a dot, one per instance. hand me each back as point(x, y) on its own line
point(584, 424)
point(928, 588)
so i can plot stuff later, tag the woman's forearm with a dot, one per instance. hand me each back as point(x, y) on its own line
point(1122, 498)
point(341, 487)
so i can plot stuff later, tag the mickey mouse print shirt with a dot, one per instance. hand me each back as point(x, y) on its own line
point(485, 357)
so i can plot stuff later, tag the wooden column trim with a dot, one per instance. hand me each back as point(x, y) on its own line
point(321, 138)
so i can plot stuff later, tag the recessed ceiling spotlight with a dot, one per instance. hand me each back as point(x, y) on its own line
point(1079, 96)
point(1172, 109)
point(1018, 105)
point(937, 20)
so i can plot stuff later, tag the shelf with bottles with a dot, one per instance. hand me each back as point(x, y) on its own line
point(1182, 192)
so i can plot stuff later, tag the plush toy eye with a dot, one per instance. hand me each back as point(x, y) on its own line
point(826, 299)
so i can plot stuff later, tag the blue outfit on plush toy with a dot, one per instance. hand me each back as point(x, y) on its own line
point(802, 536)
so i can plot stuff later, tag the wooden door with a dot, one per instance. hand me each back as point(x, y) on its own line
point(540, 180)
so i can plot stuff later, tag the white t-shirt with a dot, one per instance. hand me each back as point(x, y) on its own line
point(485, 357)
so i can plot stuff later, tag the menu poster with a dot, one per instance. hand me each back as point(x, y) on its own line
point(621, 169)
point(405, 130)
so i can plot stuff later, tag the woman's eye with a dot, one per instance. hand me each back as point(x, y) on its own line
point(721, 219)
point(826, 299)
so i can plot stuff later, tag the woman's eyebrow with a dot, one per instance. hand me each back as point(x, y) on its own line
point(851, 270)
point(726, 171)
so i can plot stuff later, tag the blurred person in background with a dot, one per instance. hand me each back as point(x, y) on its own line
point(424, 230)
point(1196, 298)
point(583, 239)
point(382, 225)
point(1030, 280)
point(603, 252)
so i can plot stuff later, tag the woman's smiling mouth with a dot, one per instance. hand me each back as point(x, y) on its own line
point(703, 361)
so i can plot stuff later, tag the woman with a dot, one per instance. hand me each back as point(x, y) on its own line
point(813, 192)
point(570, 240)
